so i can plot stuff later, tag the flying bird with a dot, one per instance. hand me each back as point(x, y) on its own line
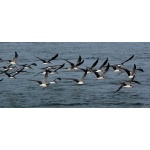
point(78, 81)
point(47, 61)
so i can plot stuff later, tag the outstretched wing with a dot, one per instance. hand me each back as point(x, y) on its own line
point(53, 58)
point(16, 56)
point(84, 75)
point(134, 68)
point(40, 82)
point(136, 82)
point(76, 80)
point(61, 66)
point(105, 62)
point(128, 59)
point(95, 63)
point(97, 74)
point(119, 88)
point(36, 75)
point(72, 64)
point(107, 68)
point(126, 70)
point(140, 70)
point(79, 60)
point(44, 61)
point(80, 63)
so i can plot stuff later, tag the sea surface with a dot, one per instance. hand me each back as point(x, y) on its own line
point(22, 93)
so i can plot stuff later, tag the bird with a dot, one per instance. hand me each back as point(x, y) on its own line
point(127, 84)
point(132, 73)
point(43, 82)
point(101, 76)
point(78, 81)
point(75, 66)
point(13, 61)
point(47, 61)
point(118, 67)
point(9, 67)
point(12, 75)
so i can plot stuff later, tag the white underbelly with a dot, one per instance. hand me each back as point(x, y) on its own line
point(100, 78)
point(80, 82)
point(43, 85)
point(98, 70)
point(12, 62)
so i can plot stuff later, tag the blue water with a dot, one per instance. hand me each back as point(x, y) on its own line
point(95, 93)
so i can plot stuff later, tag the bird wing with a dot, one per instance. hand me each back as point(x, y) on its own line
point(107, 68)
point(140, 70)
point(76, 80)
point(16, 56)
point(33, 64)
point(72, 64)
point(119, 88)
point(136, 82)
point(126, 70)
point(97, 74)
point(40, 82)
point(84, 75)
point(7, 74)
point(105, 62)
point(61, 66)
point(95, 63)
point(79, 60)
point(44, 61)
point(37, 74)
point(53, 58)
point(113, 66)
point(134, 68)
point(128, 59)
point(80, 63)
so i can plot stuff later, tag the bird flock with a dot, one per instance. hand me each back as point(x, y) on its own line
point(12, 68)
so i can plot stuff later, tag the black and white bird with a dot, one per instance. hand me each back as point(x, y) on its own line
point(7, 68)
point(42, 83)
point(74, 66)
point(13, 61)
point(118, 67)
point(78, 81)
point(132, 73)
point(13, 74)
point(127, 84)
point(47, 61)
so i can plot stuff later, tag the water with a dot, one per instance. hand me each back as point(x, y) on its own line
point(95, 93)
